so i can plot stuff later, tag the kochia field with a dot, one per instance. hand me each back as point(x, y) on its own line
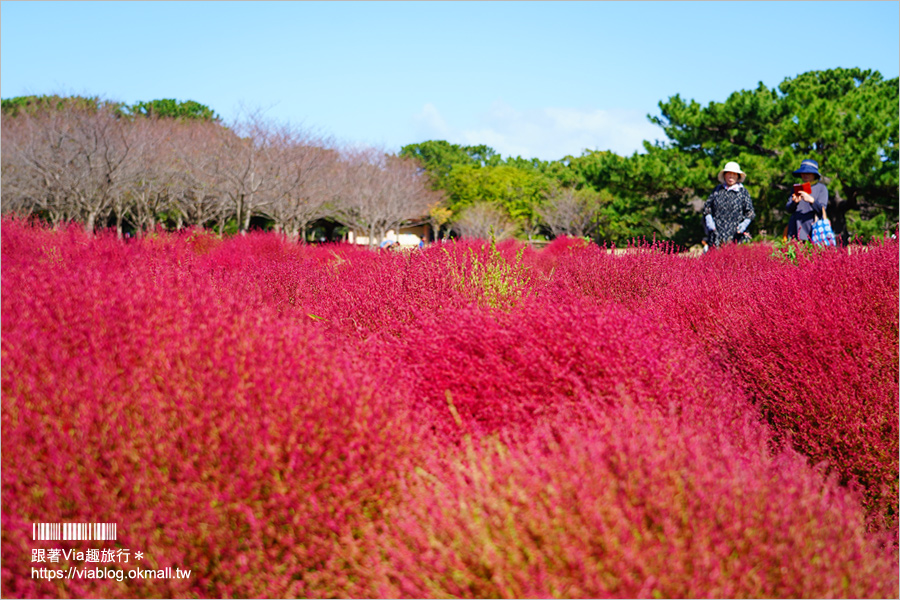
point(459, 421)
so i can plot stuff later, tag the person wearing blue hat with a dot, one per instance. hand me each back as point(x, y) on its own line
point(802, 206)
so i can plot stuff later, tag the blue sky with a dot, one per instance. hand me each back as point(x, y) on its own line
point(531, 79)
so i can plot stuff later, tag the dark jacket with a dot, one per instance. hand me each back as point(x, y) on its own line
point(803, 215)
point(728, 209)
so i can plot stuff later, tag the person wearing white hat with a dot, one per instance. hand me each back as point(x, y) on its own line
point(804, 206)
point(728, 210)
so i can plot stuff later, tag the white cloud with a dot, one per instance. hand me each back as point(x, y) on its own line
point(431, 121)
point(547, 133)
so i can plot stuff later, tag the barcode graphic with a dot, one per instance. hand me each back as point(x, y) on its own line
point(73, 531)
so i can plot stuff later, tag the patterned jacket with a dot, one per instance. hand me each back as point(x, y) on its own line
point(729, 207)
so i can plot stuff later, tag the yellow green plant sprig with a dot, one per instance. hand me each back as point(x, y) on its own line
point(490, 278)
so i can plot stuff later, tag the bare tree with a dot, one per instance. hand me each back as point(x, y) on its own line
point(143, 195)
point(375, 192)
point(251, 170)
point(483, 220)
point(81, 159)
point(197, 174)
point(301, 193)
point(571, 212)
point(85, 160)
point(72, 159)
point(36, 159)
point(23, 189)
point(105, 155)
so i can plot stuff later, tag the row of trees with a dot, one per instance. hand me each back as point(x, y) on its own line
point(176, 164)
point(846, 119)
point(173, 163)
point(106, 163)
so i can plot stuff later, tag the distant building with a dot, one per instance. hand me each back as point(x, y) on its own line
point(409, 237)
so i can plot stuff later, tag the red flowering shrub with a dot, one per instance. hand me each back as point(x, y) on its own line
point(224, 441)
point(816, 347)
point(505, 371)
point(635, 506)
point(468, 419)
point(813, 344)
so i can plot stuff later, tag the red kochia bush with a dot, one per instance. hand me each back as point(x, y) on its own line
point(356, 293)
point(504, 371)
point(227, 442)
point(276, 418)
point(635, 506)
point(815, 346)
point(352, 292)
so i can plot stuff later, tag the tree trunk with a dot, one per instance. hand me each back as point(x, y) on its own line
point(245, 225)
point(239, 212)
